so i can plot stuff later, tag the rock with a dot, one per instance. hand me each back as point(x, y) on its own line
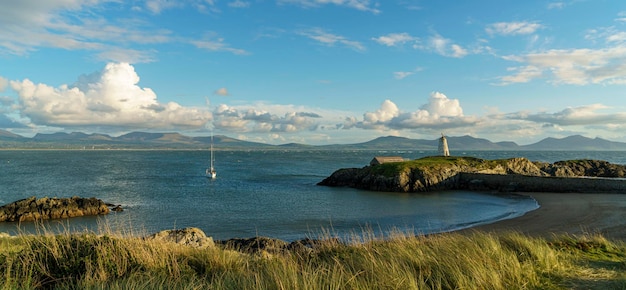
point(32, 209)
point(586, 167)
point(256, 245)
point(192, 237)
point(268, 246)
point(440, 173)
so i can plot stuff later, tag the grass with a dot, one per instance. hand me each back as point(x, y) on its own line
point(475, 260)
point(433, 163)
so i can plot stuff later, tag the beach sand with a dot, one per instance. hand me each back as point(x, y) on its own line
point(570, 213)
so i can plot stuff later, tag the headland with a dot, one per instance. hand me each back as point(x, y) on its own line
point(509, 175)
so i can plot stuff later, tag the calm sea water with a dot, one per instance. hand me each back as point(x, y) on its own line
point(256, 193)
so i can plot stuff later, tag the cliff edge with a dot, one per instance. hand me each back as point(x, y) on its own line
point(440, 173)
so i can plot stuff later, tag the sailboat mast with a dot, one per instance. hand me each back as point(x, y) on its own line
point(211, 151)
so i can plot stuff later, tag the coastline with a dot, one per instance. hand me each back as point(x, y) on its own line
point(568, 213)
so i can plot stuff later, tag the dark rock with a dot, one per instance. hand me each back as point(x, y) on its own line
point(255, 245)
point(32, 209)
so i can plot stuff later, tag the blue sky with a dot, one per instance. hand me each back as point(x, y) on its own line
point(315, 71)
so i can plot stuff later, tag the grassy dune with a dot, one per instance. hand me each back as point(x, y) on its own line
point(476, 260)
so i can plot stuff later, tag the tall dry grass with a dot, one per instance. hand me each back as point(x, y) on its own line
point(446, 261)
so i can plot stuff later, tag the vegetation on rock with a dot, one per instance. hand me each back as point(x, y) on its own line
point(439, 172)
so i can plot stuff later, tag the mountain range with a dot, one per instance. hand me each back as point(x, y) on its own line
point(144, 140)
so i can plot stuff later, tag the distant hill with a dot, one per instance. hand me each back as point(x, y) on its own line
point(145, 140)
point(388, 143)
point(576, 142)
point(6, 135)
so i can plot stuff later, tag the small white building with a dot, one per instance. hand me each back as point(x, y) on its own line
point(386, 159)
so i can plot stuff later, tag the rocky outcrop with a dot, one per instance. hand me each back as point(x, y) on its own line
point(592, 168)
point(259, 245)
point(32, 209)
point(437, 173)
point(192, 237)
point(196, 238)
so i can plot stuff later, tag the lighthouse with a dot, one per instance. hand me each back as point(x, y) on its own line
point(443, 146)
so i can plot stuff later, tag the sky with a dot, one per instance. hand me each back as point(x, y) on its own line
point(315, 71)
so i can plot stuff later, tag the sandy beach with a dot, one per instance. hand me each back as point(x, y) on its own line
point(570, 213)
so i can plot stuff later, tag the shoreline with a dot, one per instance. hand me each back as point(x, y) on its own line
point(568, 213)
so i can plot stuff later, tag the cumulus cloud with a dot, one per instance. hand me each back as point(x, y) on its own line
point(363, 5)
point(575, 67)
point(256, 120)
point(329, 39)
point(513, 28)
point(109, 98)
point(439, 113)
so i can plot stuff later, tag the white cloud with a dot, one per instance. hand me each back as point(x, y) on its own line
point(156, 6)
point(395, 39)
point(362, 5)
point(610, 35)
point(402, 74)
point(30, 24)
point(217, 45)
point(262, 118)
point(110, 98)
point(239, 4)
point(439, 105)
point(3, 84)
point(556, 5)
point(388, 110)
point(577, 116)
point(575, 67)
point(513, 28)
point(330, 39)
point(439, 113)
point(442, 46)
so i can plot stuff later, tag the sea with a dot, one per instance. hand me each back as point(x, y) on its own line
point(270, 193)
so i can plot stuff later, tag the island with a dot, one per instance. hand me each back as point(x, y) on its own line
point(510, 175)
point(35, 209)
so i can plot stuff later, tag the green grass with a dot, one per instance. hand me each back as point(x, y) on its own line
point(474, 260)
point(432, 163)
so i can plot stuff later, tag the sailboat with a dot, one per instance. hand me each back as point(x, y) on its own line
point(210, 172)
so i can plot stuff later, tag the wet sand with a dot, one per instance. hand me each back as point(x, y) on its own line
point(570, 213)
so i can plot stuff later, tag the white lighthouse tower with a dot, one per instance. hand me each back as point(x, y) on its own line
point(443, 146)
